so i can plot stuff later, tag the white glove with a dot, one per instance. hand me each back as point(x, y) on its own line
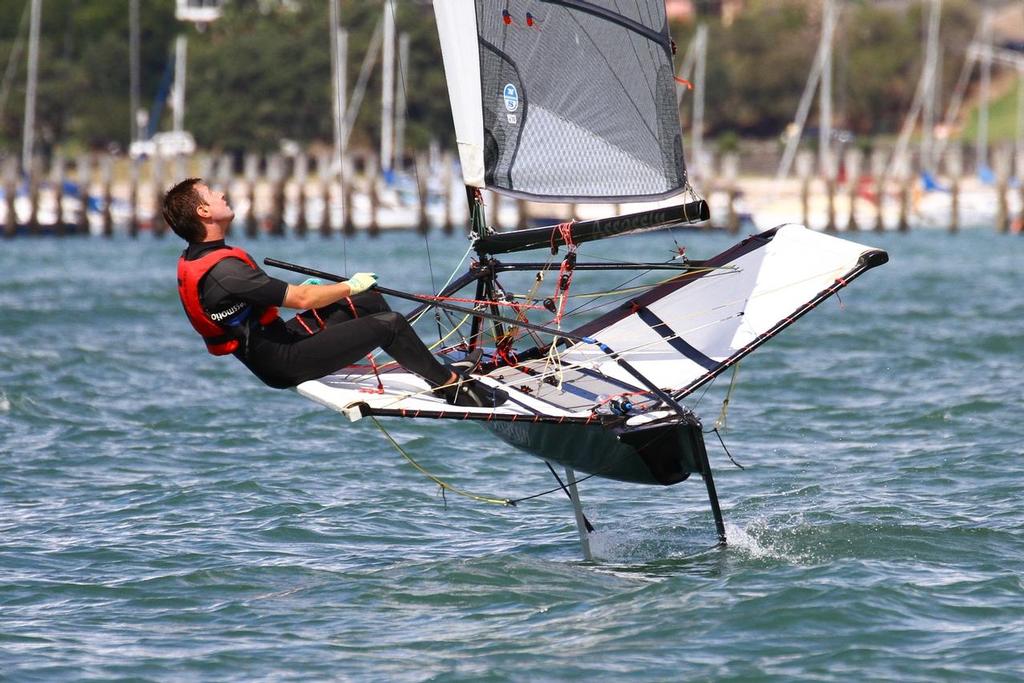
point(360, 282)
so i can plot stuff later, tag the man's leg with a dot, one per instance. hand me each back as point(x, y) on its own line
point(343, 343)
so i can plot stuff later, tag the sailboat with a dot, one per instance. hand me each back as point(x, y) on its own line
point(570, 100)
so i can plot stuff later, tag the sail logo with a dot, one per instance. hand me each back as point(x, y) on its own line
point(511, 97)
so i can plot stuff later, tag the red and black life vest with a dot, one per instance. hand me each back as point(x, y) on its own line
point(221, 339)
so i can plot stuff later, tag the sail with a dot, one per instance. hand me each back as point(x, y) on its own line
point(563, 100)
point(685, 332)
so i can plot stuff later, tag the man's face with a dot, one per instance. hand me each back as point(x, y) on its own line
point(213, 208)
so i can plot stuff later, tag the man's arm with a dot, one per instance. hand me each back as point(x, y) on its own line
point(317, 296)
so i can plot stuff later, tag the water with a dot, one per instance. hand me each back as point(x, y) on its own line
point(167, 517)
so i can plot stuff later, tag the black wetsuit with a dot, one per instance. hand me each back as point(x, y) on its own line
point(284, 354)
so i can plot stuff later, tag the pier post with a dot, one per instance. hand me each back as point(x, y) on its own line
point(57, 173)
point(955, 169)
point(878, 170)
point(106, 180)
point(804, 163)
point(1019, 223)
point(450, 194)
point(829, 171)
point(522, 214)
point(34, 171)
point(160, 226)
point(275, 177)
point(373, 176)
point(252, 169)
point(730, 173)
point(301, 177)
point(852, 162)
point(1001, 160)
point(903, 180)
point(133, 198)
point(422, 173)
point(224, 174)
point(10, 190)
point(83, 176)
point(323, 176)
point(348, 174)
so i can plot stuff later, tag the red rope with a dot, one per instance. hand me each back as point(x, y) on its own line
point(369, 356)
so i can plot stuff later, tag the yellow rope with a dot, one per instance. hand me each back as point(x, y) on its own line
point(444, 485)
point(720, 422)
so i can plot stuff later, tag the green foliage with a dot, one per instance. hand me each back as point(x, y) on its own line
point(261, 73)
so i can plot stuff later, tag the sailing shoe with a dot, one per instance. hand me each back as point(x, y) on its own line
point(473, 394)
point(469, 363)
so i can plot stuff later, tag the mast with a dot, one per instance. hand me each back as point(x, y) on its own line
point(29, 132)
point(931, 73)
point(133, 70)
point(178, 98)
point(387, 99)
point(400, 103)
point(700, 68)
point(981, 148)
point(822, 56)
point(825, 95)
point(339, 54)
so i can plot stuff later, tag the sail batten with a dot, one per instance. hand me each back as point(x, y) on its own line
point(564, 100)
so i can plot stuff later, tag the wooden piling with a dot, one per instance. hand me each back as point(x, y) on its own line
point(301, 176)
point(252, 166)
point(829, 177)
point(730, 175)
point(275, 176)
point(1019, 223)
point(852, 163)
point(449, 194)
point(10, 190)
point(107, 180)
point(1001, 160)
point(133, 198)
point(160, 226)
point(324, 180)
point(955, 168)
point(804, 164)
point(57, 173)
point(522, 214)
point(422, 198)
point(83, 175)
point(373, 177)
point(33, 197)
point(879, 162)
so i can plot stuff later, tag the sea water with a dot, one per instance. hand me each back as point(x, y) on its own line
point(164, 516)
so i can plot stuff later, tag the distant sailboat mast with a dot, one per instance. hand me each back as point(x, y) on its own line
point(339, 53)
point(29, 132)
point(387, 100)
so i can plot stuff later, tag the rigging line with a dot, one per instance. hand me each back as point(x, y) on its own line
point(445, 486)
point(13, 59)
point(721, 441)
point(516, 501)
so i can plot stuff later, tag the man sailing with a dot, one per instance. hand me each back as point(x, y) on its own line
point(233, 304)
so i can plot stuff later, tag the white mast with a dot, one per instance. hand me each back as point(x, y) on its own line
point(178, 98)
point(825, 96)
point(803, 109)
point(387, 98)
point(133, 70)
point(339, 83)
point(693, 69)
point(400, 103)
point(983, 95)
point(29, 132)
point(931, 78)
point(700, 68)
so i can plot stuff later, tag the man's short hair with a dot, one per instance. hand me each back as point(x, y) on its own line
point(179, 210)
